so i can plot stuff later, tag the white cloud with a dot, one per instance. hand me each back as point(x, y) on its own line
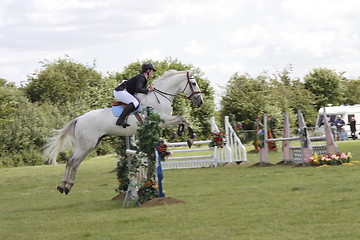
point(49, 18)
point(247, 35)
point(321, 8)
point(195, 48)
point(65, 5)
point(154, 54)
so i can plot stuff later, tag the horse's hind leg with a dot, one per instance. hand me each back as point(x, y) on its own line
point(72, 164)
point(61, 186)
point(192, 134)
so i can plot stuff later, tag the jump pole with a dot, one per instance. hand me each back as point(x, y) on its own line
point(159, 173)
point(286, 144)
point(305, 142)
point(263, 152)
point(286, 138)
point(331, 146)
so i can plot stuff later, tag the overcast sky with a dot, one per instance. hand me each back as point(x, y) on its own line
point(220, 37)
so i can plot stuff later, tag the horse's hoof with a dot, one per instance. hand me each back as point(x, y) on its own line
point(190, 142)
point(173, 136)
point(192, 134)
point(60, 189)
point(67, 191)
point(180, 130)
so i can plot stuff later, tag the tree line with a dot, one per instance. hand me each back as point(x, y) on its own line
point(64, 89)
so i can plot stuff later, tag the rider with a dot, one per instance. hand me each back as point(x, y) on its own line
point(126, 90)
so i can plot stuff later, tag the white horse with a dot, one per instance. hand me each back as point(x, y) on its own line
point(85, 132)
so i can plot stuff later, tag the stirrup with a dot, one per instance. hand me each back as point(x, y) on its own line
point(125, 124)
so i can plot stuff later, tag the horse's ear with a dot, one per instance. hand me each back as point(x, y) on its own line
point(191, 73)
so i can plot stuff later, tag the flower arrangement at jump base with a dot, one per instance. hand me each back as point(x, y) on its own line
point(218, 139)
point(147, 191)
point(329, 159)
point(164, 151)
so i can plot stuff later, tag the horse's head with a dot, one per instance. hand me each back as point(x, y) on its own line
point(173, 82)
point(192, 90)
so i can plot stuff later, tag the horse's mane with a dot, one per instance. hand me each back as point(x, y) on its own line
point(167, 74)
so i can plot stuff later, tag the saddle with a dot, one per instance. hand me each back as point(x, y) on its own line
point(118, 106)
point(118, 103)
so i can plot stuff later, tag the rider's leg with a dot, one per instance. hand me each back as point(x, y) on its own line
point(127, 110)
point(132, 104)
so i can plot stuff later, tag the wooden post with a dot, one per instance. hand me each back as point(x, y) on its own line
point(331, 146)
point(159, 173)
point(264, 151)
point(306, 148)
point(286, 144)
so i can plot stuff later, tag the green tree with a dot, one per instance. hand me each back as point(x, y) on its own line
point(246, 98)
point(351, 91)
point(289, 95)
point(73, 87)
point(24, 127)
point(325, 85)
point(6, 105)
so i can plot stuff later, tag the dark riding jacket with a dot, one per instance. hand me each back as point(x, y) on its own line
point(134, 85)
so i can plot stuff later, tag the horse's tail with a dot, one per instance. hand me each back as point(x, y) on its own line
point(63, 139)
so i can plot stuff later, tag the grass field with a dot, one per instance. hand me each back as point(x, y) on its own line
point(242, 202)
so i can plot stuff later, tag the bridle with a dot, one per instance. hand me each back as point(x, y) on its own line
point(188, 83)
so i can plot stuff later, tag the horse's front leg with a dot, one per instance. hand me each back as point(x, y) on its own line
point(180, 131)
point(182, 122)
point(192, 134)
point(175, 120)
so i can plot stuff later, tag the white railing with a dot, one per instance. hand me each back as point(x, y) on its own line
point(235, 150)
point(195, 161)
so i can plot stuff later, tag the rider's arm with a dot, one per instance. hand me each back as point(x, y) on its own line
point(139, 88)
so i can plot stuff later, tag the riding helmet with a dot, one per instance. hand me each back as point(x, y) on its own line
point(147, 66)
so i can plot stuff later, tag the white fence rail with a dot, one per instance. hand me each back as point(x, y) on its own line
point(234, 150)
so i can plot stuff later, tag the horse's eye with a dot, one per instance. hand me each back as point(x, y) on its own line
point(194, 83)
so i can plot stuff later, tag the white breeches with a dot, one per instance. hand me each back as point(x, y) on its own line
point(125, 97)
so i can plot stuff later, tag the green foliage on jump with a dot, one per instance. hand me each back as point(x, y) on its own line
point(149, 133)
point(148, 138)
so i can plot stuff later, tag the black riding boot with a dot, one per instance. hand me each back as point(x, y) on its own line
point(127, 110)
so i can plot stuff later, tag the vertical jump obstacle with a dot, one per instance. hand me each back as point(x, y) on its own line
point(233, 151)
point(298, 155)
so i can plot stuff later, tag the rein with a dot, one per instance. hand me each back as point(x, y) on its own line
point(174, 95)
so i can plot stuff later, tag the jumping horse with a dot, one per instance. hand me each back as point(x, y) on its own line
point(84, 133)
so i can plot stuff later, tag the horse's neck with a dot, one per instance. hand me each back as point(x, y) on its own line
point(170, 86)
point(169, 89)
